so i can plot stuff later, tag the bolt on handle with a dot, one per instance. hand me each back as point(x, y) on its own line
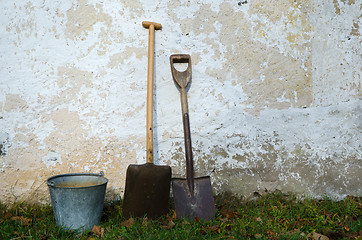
point(52, 184)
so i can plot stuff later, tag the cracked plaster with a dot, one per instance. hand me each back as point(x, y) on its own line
point(275, 97)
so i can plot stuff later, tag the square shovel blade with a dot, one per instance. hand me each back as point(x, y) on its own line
point(201, 205)
point(147, 190)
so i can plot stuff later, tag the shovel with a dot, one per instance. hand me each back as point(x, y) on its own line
point(193, 196)
point(147, 188)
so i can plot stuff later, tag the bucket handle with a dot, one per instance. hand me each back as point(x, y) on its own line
point(51, 184)
point(101, 173)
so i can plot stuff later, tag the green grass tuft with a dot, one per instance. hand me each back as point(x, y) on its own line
point(273, 216)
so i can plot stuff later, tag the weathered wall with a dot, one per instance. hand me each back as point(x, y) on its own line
point(275, 99)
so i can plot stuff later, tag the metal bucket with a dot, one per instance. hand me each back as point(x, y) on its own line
point(77, 199)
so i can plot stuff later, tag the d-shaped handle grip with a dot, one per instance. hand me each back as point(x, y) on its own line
point(182, 79)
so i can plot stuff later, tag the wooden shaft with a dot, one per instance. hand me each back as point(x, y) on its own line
point(149, 133)
point(150, 73)
point(188, 145)
point(184, 104)
point(188, 153)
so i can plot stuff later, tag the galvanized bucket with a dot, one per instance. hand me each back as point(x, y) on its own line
point(77, 199)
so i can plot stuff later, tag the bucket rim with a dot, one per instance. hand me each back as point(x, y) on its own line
point(101, 174)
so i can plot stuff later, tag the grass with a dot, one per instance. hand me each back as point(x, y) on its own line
point(273, 216)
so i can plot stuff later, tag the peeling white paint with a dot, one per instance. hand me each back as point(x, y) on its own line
point(275, 97)
point(52, 159)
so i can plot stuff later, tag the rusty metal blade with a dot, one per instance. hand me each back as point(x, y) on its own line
point(201, 205)
point(147, 190)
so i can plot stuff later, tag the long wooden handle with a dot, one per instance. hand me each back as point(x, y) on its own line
point(184, 104)
point(187, 138)
point(151, 46)
point(182, 79)
point(188, 153)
